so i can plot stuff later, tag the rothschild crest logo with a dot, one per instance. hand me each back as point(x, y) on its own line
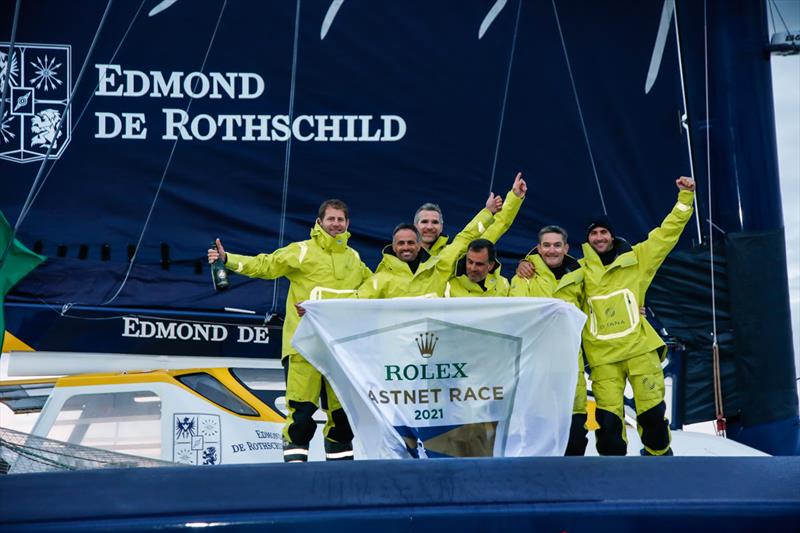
point(39, 81)
point(426, 343)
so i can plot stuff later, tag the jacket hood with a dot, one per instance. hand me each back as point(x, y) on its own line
point(621, 246)
point(390, 259)
point(326, 241)
point(461, 266)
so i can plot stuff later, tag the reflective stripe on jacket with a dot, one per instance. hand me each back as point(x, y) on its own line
point(614, 293)
point(321, 261)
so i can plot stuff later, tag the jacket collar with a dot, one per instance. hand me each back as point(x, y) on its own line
point(622, 258)
point(327, 241)
point(392, 262)
point(461, 267)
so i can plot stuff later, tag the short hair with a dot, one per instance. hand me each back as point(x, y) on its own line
point(333, 203)
point(428, 207)
point(553, 229)
point(483, 244)
point(410, 227)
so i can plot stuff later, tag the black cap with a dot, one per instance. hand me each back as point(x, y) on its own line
point(600, 222)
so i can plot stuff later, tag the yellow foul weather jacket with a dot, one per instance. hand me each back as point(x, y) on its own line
point(460, 285)
point(614, 293)
point(487, 227)
point(323, 261)
point(544, 284)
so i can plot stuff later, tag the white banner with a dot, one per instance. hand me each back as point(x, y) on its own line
point(447, 377)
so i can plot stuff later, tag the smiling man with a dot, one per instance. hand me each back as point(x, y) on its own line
point(556, 274)
point(324, 261)
point(429, 219)
point(620, 344)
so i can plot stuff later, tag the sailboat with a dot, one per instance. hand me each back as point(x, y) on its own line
point(136, 133)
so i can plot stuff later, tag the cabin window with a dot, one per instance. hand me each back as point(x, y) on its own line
point(122, 422)
point(209, 387)
point(266, 384)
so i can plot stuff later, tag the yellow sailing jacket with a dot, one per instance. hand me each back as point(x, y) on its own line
point(615, 330)
point(321, 262)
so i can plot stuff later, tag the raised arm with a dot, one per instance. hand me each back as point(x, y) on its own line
point(506, 216)
point(652, 252)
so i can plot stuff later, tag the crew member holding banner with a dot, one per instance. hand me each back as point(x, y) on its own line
point(558, 275)
point(619, 343)
point(324, 261)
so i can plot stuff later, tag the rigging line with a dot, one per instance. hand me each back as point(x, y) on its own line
point(714, 346)
point(166, 167)
point(91, 96)
point(780, 15)
point(57, 130)
point(685, 123)
point(771, 15)
point(287, 158)
point(4, 80)
point(505, 95)
point(580, 111)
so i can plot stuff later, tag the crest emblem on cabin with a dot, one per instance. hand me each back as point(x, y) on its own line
point(196, 439)
point(39, 78)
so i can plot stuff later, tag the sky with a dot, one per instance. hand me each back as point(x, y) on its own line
point(786, 93)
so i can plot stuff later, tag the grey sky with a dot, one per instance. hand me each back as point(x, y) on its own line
point(786, 91)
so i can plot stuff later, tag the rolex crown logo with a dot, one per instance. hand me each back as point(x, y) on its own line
point(426, 342)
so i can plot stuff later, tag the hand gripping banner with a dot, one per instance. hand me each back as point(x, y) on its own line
point(461, 377)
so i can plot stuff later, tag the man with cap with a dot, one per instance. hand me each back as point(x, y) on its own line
point(619, 343)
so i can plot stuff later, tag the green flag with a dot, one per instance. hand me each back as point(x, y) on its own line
point(17, 264)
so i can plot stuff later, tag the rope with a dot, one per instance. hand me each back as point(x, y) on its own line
point(29, 200)
point(505, 95)
point(685, 123)
point(166, 167)
point(89, 100)
point(718, 400)
point(286, 162)
point(580, 111)
point(4, 81)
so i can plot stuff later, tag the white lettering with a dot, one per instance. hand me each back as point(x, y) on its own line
point(332, 128)
point(129, 326)
point(104, 79)
point(388, 120)
point(172, 124)
point(246, 334)
point(161, 87)
point(133, 126)
point(211, 127)
point(296, 127)
point(148, 330)
point(219, 81)
point(184, 331)
point(190, 87)
point(365, 120)
point(165, 331)
point(102, 125)
point(130, 83)
point(246, 91)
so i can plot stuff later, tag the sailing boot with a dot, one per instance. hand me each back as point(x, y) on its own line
point(610, 439)
point(299, 430)
point(654, 431)
point(338, 437)
point(577, 435)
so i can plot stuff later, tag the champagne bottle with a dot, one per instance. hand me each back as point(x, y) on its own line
point(219, 275)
